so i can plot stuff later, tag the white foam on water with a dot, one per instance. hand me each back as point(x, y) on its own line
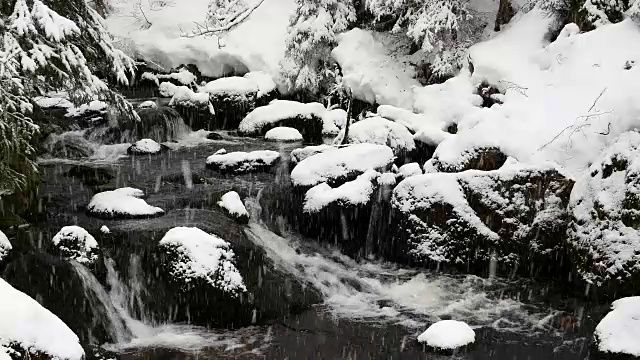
point(380, 292)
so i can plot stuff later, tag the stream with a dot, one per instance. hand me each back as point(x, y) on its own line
point(369, 309)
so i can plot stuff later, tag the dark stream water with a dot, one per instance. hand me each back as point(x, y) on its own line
point(369, 309)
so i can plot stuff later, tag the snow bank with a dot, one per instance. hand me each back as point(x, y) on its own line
point(199, 255)
point(563, 102)
point(144, 147)
point(278, 110)
point(230, 86)
point(300, 154)
point(256, 44)
point(123, 202)
point(604, 209)
point(33, 327)
point(341, 163)
point(356, 192)
point(618, 332)
point(411, 169)
point(77, 244)
point(371, 73)
point(5, 246)
point(264, 81)
point(93, 106)
point(233, 205)
point(448, 335)
point(377, 130)
point(242, 162)
point(283, 133)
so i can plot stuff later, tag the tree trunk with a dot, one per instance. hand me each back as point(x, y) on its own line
point(504, 14)
point(345, 140)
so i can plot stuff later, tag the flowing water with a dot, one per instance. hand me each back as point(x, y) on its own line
point(369, 308)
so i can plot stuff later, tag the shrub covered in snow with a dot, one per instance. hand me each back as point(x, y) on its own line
point(122, 203)
point(618, 332)
point(512, 215)
point(355, 192)
point(74, 242)
point(341, 165)
point(377, 130)
point(144, 147)
point(5, 246)
point(242, 162)
point(283, 133)
point(605, 211)
point(306, 118)
point(448, 335)
point(232, 204)
point(28, 329)
point(196, 255)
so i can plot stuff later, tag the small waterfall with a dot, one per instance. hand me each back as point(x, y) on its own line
point(98, 297)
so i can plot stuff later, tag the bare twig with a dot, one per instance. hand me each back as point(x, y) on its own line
point(237, 18)
point(143, 14)
point(513, 86)
point(606, 132)
point(596, 100)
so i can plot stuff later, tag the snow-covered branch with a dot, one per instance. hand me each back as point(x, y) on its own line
point(223, 23)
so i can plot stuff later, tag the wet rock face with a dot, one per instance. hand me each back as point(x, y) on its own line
point(465, 220)
point(231, 108)
point(604, 233)
point(55, 284)
point(91, 176)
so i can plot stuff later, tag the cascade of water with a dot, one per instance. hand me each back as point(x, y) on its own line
point(97, 295)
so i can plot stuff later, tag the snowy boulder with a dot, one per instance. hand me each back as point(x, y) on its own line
point(182, 77)
point(448, 335)
point(28, 330)
point(5, 246)
point(352, 193)
point(167, 89)
point(198, 256)
point(618, 332)
point(149, 104)
point(604, 234)
point(344, 164)
point(122, 203)
point(377, 130)
point(74, 242)
point(233, 206)
point(144, 147)
point(479, 158)
point(105, 230)
point(410, 169)
point(300, 154)
point(284, 134)
point(267, 88)
point(306, 118)
point(232, 98)
point(242, 162)
point(515, 216)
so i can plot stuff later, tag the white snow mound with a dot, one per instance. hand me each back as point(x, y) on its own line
point(233, 85)
point(618, 332)
point(35, 328)
point(242, 161)
point(448, 335)
point(377, 130)
point(300, 154)
point(76, 243)
point(203, 256)
point(283, 133)
point(279, 110)
point(145, 146)
point(342, 162)
point(356, 192)
point(264, 81)
point(410, 169)
point(232, 203)
point(122, 202)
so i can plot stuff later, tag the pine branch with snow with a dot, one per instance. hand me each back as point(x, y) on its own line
point(312, 34)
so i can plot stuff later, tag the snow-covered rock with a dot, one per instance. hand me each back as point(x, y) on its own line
point(604, 234)
point(182, 77)
point(513, 215)
point(341, 164)
point(300, 154)
point(479, 158)
point(5, 246)
point(264, 81)
point(220, 152)
point(351, 193)
point(29, 328)
point(336, 116)
point(377, 130)
point(197, 255)
point(306, 118)
point(183, 96)
point(122, 203)
point(105, 230)
point(448, 335)
point(618, 332)
point(370, 72)
point(144, 147)
point(233, 86)
point(243, 162)
point(233, 205)
point(168, 89)
point(74, 242)
point(92, 107)
point(410, 169)
point(149, 104)
point(283, 133)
